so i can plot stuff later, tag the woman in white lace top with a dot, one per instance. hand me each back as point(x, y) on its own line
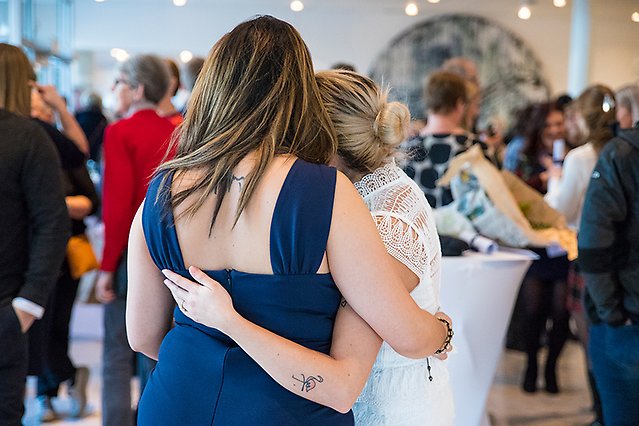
point(399, 390)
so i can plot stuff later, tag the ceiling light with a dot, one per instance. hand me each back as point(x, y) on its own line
point(635, 17)
point(559, 3)
point(120, 55)
point(185, 56)
point(524, 12)
point(297, 6)
point(179, 3)
point(433, 1)
point(99, 1)
point(411, 9)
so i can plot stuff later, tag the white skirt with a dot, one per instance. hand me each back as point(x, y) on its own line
point(403, 395)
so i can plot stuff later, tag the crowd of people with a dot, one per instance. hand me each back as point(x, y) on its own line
point(241, 271)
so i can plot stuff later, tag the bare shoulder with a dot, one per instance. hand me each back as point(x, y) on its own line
point(344, 189)
point(185, 179)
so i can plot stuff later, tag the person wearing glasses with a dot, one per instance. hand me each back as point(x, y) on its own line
point(133, 148)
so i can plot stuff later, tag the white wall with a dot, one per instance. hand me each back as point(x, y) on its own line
point(353, 30)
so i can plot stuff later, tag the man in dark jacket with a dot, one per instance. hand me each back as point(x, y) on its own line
point(609, 260)
point(34, 227)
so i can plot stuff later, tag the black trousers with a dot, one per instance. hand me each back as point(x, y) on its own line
point(13, 367)
point(49, 337)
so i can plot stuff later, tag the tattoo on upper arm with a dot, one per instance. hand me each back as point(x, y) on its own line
point(343, 303)
point(308, 383)
point(238, 179)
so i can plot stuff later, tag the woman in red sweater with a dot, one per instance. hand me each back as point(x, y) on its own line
point(133, 148)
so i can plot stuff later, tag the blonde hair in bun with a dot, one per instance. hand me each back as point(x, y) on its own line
point(369, 128)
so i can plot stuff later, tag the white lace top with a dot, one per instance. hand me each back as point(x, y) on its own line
point(398, 391)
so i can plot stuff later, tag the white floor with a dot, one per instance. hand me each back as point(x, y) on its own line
point(83, 352)
point(507, 404)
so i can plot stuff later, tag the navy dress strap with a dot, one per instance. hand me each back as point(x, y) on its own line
point(302, 219)
point(161, 240)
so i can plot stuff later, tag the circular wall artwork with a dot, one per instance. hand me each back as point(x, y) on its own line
point(509, 73)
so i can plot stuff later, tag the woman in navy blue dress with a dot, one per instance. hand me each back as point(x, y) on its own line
point(249, 199)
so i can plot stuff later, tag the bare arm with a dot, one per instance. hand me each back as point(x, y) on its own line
point(84, 200)
point(365, 275)
point(149, 304)
point(334, 381)
point(78, 206)
point(70, 126)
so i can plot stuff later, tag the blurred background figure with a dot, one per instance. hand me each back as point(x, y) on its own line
point(628, 106)
point(133, 148)
point(542, 296)
point(463, 67)
point(442, 138)
point(190, 72)
point(166, 108)
point(93, 122)
point(34, 225)
point(516, 138)
point(49, 338)
point(545, 126)
point(40, 110)
point(562, 101)
point(609, 262)
point(48, 107)
point(471, 110)
point(591, 125)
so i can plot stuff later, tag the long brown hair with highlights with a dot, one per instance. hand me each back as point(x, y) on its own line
point(256, 93)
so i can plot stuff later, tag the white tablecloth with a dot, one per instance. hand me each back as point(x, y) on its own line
point(478, 292)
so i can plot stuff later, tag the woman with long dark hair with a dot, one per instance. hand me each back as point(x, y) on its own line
point(543, 291)
point(545, 126)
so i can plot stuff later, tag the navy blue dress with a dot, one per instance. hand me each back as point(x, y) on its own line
point(203, 377)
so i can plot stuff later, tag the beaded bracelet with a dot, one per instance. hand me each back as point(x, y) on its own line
point(449, 336)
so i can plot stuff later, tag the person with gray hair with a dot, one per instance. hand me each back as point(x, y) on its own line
point(133, 148)
point(628, 106)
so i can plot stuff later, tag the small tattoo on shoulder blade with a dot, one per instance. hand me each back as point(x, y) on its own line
point(238, 179)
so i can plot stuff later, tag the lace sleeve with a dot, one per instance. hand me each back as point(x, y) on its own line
point(402, 242)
